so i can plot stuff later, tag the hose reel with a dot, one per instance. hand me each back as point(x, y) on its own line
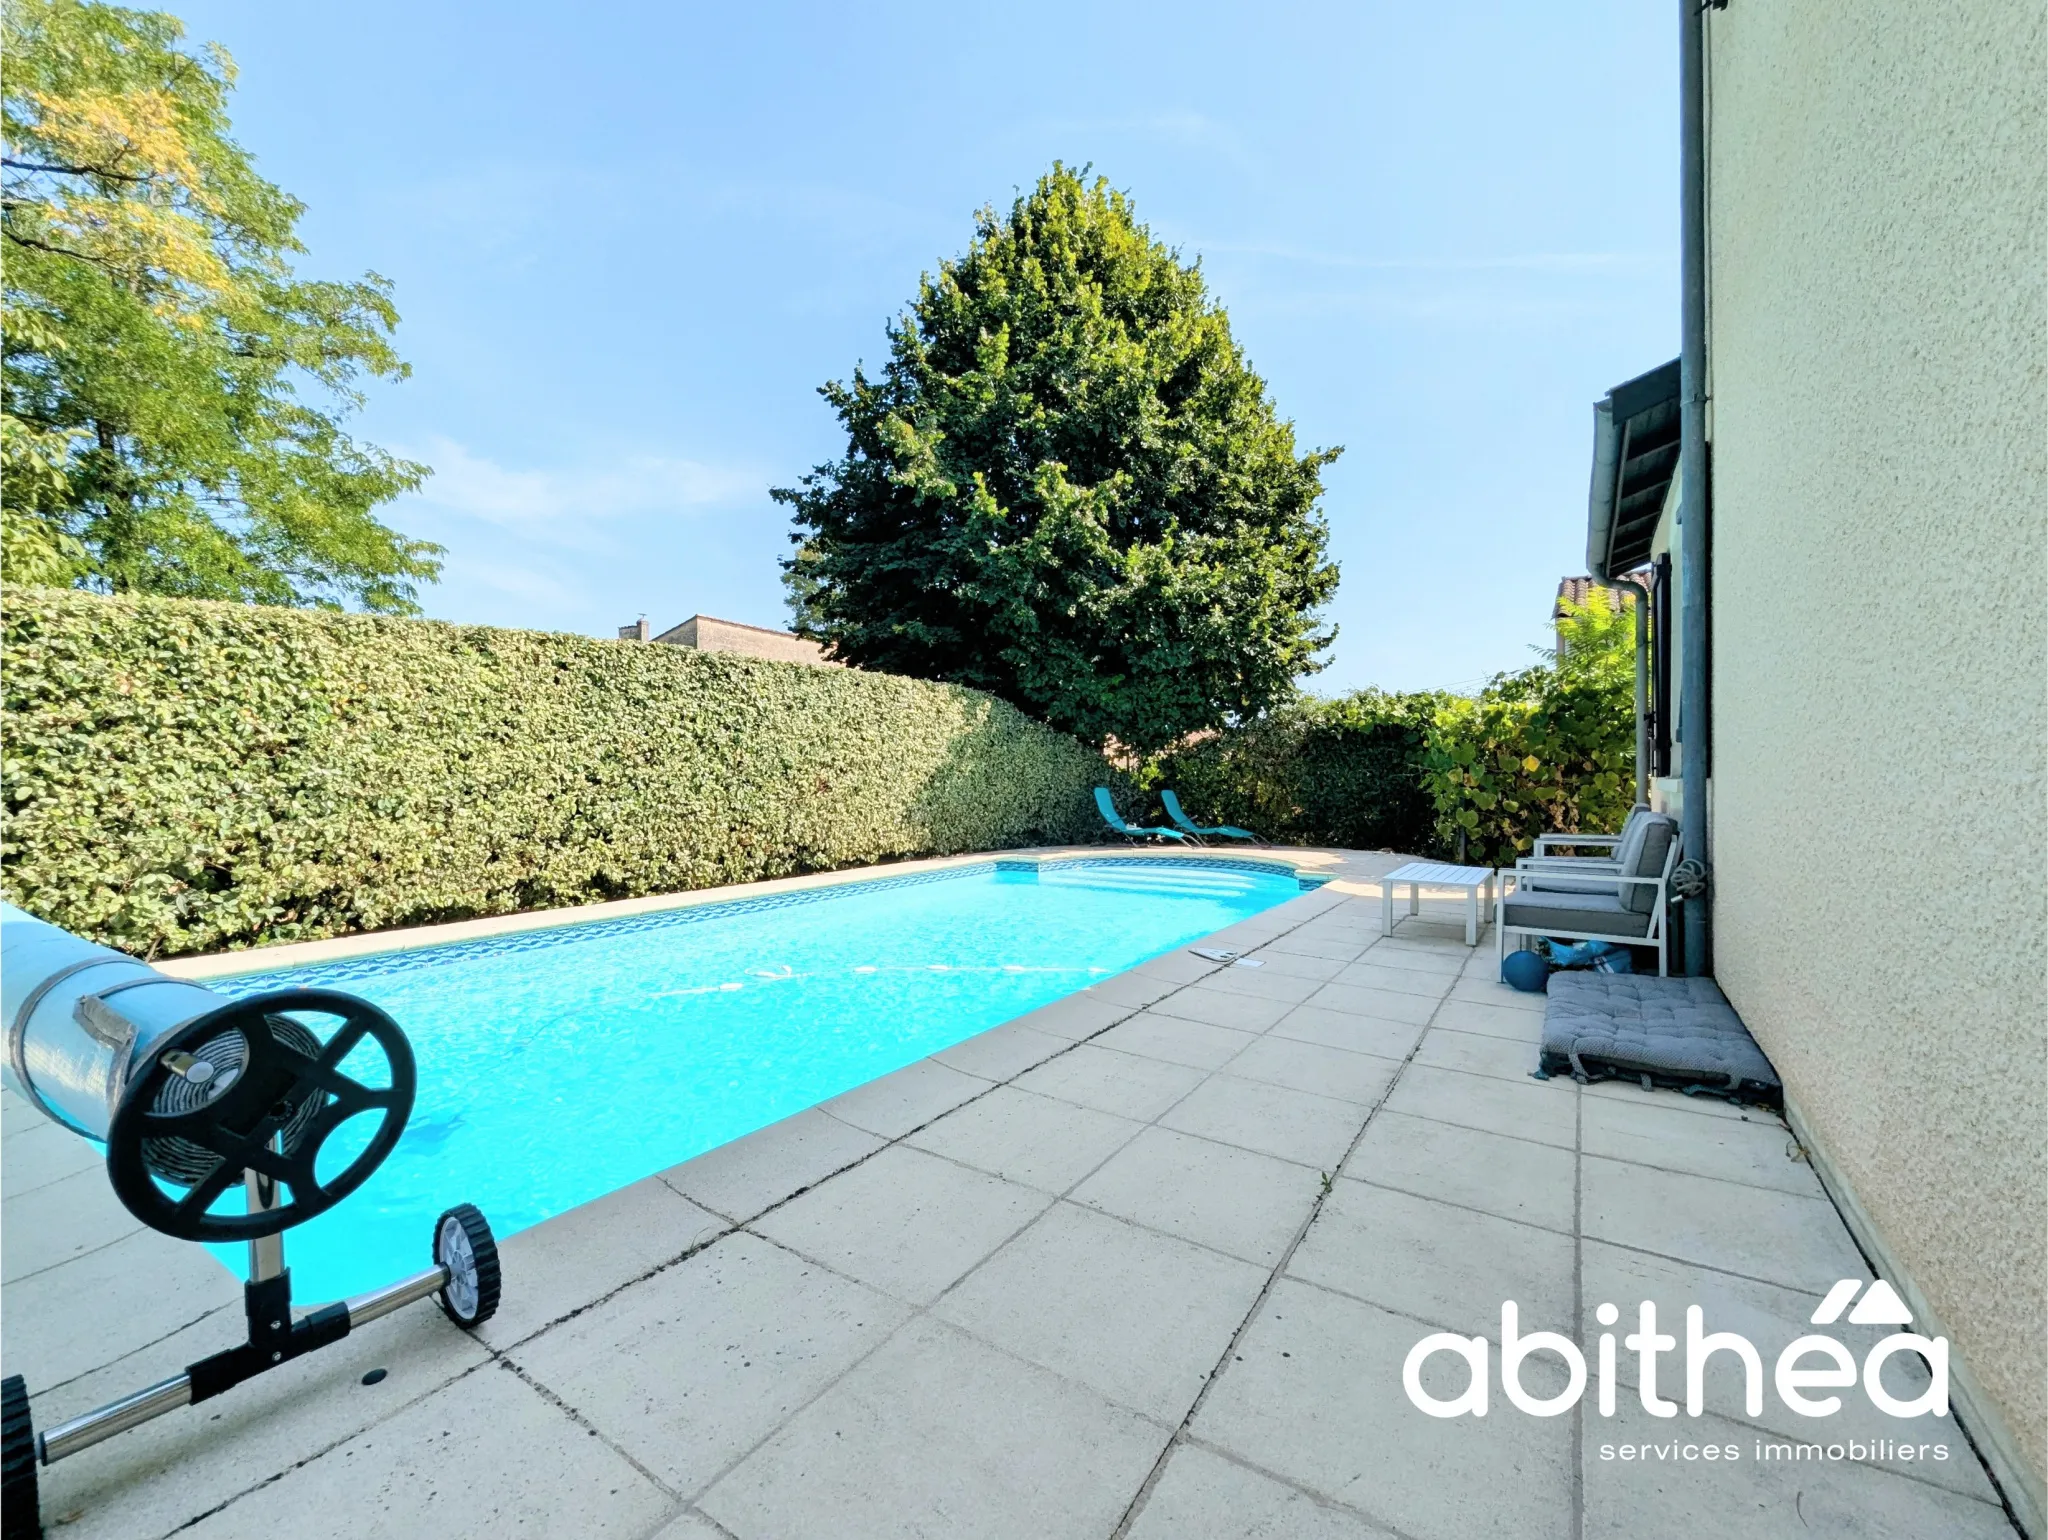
point(194, 1095)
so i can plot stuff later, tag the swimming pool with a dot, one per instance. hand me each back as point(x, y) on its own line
point(558, 1065)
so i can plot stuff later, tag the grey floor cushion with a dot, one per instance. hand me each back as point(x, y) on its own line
point(1676, 1032)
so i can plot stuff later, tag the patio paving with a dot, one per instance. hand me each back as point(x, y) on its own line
point(1145, 1263)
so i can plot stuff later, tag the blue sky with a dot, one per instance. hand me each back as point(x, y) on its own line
point(630, 240)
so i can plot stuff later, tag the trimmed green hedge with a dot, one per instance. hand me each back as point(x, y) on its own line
point(183, 776)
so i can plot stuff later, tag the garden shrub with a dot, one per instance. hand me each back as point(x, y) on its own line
point(1345, 772)
point(1476, 779)
point(183, 776)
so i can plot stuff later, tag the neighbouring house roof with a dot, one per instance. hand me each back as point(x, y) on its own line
point(707, 633)
point(689, 628)
point(1635, 455)
point(1575, 589)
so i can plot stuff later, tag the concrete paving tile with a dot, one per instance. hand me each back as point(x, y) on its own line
point(938, 1437)
point(487, 1456)
point(1177, 1040)
point(1119, 1083)
point(1545, 1111)
point(1631, 1093)
point(1114, 998)
point(1476, 1053)
point(1179, 966)
point(1136, 1316)
point(1511, 1023)
point(1025, 1138)
point(1752, 1498)
point(1446, 959)
point(691, 1525)
point(1219, 1008)
point(16, 1115)
point(690, 1369)
point(1342, 950)
point(1203, 1496)
point(760, 1169)
point(1002, 1052)
point(43, 1153)
point(1757, 1148)
point(1314, 1394)
point(1088, 1010)
point(1443, 1264)
point(1492, 992)
point(59, 1222)
point(164, 1474)
point(162, 1286)
point(904, 1222)
point(1294, 965)
point(1261, 983)
point(1272, 1119)
point(580, 1256)
point(1771, 1318)
point(1381, 1004)
point(1341, 1029)
point(1371, 974)
point(1514, 1178)
point(1233, 1200)
point(1775, 1236)
point(896, 1103)
point(1316, 1068)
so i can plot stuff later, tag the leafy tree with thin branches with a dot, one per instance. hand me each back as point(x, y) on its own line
point(172, 391)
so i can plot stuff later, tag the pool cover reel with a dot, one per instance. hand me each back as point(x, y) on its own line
point(193, 1095)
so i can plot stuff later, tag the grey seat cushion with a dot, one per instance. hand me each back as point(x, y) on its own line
point(1573, 914)
point(1675, 1031)
point(1642, 855)
point(1599, 879)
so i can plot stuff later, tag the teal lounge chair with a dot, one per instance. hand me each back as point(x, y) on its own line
point(1130, 831)
point(1173, 811)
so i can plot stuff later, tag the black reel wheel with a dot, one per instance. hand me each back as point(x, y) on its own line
point(464, 1245)
point(248, 1088)
point(20, 1518)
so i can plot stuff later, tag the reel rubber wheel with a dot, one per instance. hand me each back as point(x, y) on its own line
point(20, 1517)
point(269, 1094)
point(464, 1245)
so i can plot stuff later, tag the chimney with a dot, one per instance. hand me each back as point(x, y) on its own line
point(636, 632)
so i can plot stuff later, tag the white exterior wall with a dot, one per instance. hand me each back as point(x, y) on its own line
point(1878, 193)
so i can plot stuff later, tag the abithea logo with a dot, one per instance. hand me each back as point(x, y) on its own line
point(1808, 1363)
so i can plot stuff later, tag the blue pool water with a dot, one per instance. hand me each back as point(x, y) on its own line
point(561, 1064)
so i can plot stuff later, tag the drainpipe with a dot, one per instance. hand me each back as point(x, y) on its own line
point(1641, 591)
point(1692, 459)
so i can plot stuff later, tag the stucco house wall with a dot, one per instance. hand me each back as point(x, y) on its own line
point(1878, 226)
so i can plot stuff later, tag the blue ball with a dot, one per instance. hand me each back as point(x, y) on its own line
point(1526, 971)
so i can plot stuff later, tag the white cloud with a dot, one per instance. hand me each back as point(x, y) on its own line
point(482, 488)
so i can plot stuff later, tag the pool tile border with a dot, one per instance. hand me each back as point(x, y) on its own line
point(537, 929)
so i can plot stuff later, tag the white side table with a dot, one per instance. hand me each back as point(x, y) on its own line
point(1421, 874)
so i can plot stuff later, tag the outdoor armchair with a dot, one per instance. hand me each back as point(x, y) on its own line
point(1629, 904)
point(1175, 812)
point(1115, 820)
point(1547, 872)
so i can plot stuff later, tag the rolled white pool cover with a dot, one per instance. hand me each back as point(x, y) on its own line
point(79, 1017)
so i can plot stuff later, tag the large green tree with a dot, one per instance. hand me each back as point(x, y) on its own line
point(172, 391)
point(1068, 488)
